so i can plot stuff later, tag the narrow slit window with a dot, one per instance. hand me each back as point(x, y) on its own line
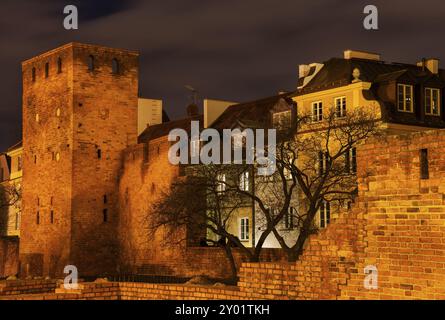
point(33, 73)
point(105, 215)
point(46, 70)
point(99, 154)
point(38, 217)
point(59, 65)
point(115, 66)
point(52, 217)
point(105, 199)
point(90, 63)
point(17, 221)
point(424, 167)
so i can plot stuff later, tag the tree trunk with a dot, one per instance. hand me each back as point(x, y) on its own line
point(233, 270)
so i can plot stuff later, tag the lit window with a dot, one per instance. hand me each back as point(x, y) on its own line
point(323, 162)
point(221, 182)
point(340, 107)
point(405, 98)
point(351, 161)
point(289, 218)
point(244, 181)
point(19, 163)
point(244, 229)
point(287, 174)
point(317, 111)
point(432, 101)
point(325, 214)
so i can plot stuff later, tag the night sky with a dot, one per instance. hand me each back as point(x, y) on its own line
point(235, 50)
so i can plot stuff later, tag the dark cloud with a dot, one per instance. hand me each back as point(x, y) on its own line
point(234, 49)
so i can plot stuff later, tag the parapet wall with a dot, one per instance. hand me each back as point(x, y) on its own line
point(397, 225)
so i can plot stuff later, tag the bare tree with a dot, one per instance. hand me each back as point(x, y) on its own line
point(314, 165)
point(203, 204)
point(10, 196)
point(321, 161)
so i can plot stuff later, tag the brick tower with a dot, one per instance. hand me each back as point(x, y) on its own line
point(79, 113)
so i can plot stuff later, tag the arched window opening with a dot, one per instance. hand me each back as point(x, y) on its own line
point(115, 66)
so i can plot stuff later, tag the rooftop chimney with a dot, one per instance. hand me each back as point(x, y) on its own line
point(353, 54)
point(430, 64)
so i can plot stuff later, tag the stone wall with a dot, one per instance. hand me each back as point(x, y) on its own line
point(9, 256)
point(76, 123)
point(397, 225)
point(145, 178)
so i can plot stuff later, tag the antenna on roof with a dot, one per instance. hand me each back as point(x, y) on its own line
point(193, 94)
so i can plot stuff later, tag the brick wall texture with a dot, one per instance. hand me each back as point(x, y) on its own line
point(396, 224)
point(88, 190)
point(76, 122)
point(9, 256)
point(145, 177)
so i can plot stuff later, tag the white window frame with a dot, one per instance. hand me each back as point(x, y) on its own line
point(351, 160)
point(244, 229)
point(245, 181)
point(324, 161)
point(431, 100)
point(287, 174)
point(317, 111)
point(406, 107)
point(289, 219)
point(324, 214)
point(340, 107)
point(221, 179)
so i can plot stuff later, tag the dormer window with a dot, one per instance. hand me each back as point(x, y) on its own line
point(432, 101)
point(405, 98)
